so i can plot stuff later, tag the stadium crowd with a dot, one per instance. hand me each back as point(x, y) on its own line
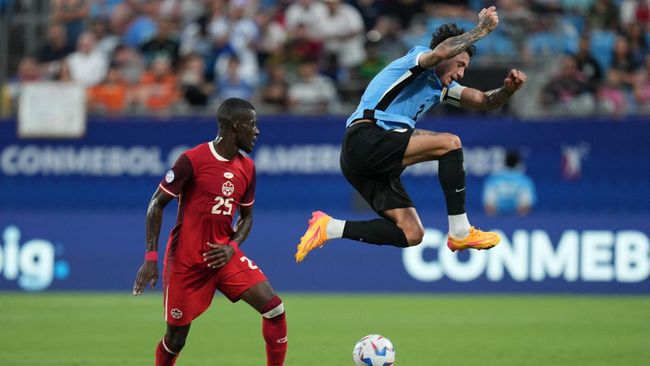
point(316, 56)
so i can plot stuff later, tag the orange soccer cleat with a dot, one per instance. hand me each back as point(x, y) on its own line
point(476, 239)
point(315, 236)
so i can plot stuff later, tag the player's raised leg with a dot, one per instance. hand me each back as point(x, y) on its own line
point(401, 227)
point(274, 324)
point(171, 344)
point(447, 149)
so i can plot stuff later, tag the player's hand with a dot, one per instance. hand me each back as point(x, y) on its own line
point(148, 273)
point(514, 81)
point(487, 20)
point(219, 255)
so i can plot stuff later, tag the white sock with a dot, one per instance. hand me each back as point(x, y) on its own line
point(335, 228)
point(458, 226)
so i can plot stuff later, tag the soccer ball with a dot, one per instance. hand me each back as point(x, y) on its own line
point(373, 350)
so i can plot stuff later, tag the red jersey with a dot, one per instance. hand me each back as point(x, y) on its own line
point(209, 188)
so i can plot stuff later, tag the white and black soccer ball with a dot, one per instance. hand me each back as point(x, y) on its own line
point(373, 350)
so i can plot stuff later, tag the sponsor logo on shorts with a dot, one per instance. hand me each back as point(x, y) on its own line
point(176, 313)
point(228, 188)
point(169, 177)
point(228, 175)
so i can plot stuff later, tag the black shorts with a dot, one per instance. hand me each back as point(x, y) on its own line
point(371, 160)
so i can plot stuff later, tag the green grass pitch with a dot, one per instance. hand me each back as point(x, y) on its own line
point(118, 329)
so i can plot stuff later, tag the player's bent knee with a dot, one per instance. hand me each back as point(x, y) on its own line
point(414, 238)
point(451, 142)
point(174, 343)
point(273, 308)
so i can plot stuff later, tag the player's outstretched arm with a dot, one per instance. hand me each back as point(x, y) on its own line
point(495, 98)
point(452, 46)
point(148, 272)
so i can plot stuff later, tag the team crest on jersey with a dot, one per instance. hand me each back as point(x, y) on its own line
point(228, 188)
point(169, 177)
point(228, 175)
point(176, 313)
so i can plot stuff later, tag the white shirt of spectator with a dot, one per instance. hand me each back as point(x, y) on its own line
point(310, 15)
point(311, 95)
point(88, 69)
point(346, 20)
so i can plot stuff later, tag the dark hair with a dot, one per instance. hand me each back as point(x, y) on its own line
point(512, 159)
point(233, 109)
point(447, 31)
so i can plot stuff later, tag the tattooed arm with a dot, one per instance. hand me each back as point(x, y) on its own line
point(450, 47)
point(495, 98)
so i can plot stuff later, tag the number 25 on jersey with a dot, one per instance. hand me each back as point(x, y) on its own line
point(223, 206)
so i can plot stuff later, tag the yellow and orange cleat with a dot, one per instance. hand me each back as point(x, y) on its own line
point(315, 236)
point(476, 239)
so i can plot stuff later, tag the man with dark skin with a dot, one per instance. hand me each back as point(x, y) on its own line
point(211, 181)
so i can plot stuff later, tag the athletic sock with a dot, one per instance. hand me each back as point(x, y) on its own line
point(335, 228)
point(452, 179)
point(458, 226)
point(274, 331)
point(164, 357)
point(378, 231)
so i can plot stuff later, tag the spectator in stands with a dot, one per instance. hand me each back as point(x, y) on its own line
point(637, 42)
point(343, 34)
point(184, 10)
point(312, 93)
point(158, 91)
point(587, 64)
point(301, 46)
point(88, 65)
point(162, 44)
point(28, 71)
point(623, 63)
point(603, 15)
point(635, 12)
point(139, 17)
point(130, 63)
point(568, 90)
point(106, 41)
point(111, 96)
point(305, 13)
point(642, 87)
point(195, 88)
point(509, 191)
point(56, 45)
point(275, 93)
point(72, 14)
point(232, 85)
point(241, 33)
point(272, 38)
point(612, 99)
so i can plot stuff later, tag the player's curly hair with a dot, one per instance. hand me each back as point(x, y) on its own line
point(447, 31)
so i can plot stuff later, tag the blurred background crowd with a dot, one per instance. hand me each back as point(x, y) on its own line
point(164, 57)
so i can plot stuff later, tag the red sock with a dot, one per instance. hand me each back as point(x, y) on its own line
point(274, 330)
point(163, 356)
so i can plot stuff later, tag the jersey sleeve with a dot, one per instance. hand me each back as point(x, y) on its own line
point(412, 58)
point(177, 177)
point(452, 94)
point(249, 196)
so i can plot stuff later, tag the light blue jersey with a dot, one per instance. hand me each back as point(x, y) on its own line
point(403, 92)
point(509, 190)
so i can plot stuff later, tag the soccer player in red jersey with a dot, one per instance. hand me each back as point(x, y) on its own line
point(211, 181)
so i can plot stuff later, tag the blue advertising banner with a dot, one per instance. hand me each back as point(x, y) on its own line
point(577, 166)
point(581, 253)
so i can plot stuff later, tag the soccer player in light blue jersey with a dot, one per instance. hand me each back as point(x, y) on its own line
point(381, 141)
